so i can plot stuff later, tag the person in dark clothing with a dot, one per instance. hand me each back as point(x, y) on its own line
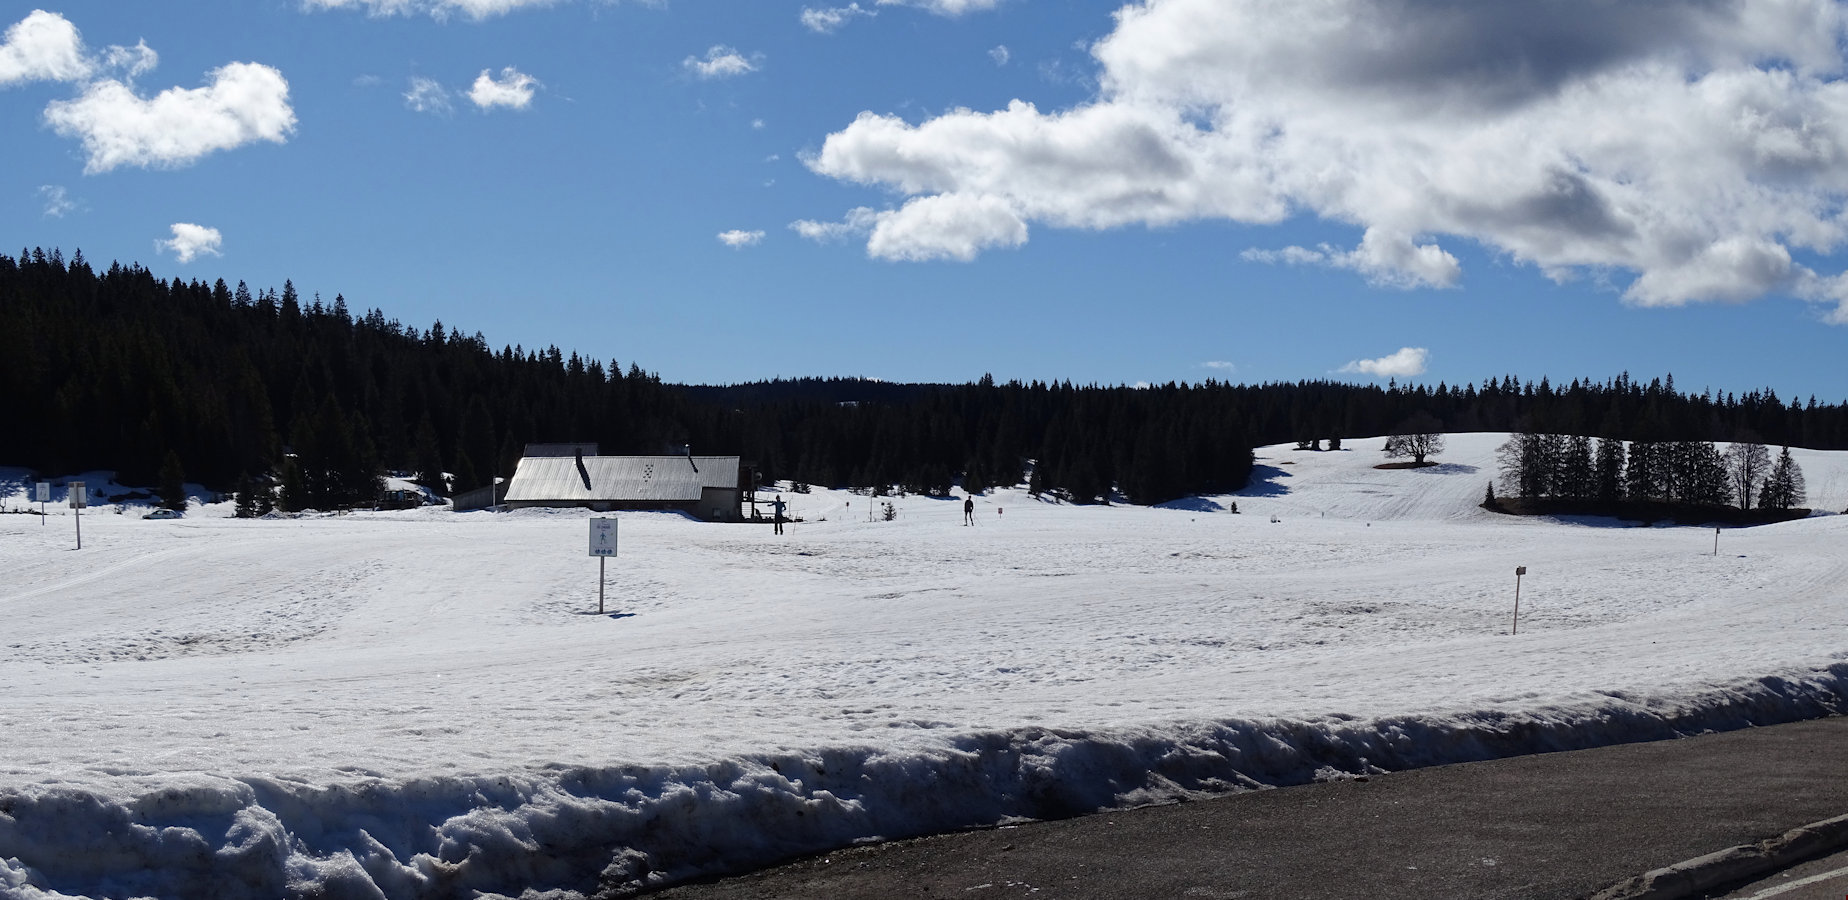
point(777, 506)
point(969, 510)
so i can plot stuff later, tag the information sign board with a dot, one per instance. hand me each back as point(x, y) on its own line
point(602, 537)
point(80, 497)
point(44, 491)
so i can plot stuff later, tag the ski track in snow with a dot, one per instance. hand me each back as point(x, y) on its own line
point(421, 704)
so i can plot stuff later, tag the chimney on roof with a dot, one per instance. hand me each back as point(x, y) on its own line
point(583, 472)
point(690, 462)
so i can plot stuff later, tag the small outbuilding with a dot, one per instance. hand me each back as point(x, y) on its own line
point(711, 488)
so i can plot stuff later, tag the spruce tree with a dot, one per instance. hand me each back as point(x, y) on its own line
point(172, 483)
point(1784, 488)
point(428, 463)
point(246, 507)
point(1641, 483)
point(1578, 477)
point(1705, 481)
point(973, 482)
point(1609, 465)
point(294, 491)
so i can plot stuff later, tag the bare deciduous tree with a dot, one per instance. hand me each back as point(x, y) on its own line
point(1417, 437)
point(1747, 462)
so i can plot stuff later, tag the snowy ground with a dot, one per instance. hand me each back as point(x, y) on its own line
point(420, 703)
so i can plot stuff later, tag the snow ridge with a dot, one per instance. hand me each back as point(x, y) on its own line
point(576, 832)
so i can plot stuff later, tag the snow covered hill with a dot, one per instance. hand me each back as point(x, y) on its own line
point(424, 704)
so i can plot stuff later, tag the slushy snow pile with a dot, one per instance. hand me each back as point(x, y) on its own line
point(426, 704)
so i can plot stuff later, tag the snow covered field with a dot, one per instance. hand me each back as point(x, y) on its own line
point(424, 704)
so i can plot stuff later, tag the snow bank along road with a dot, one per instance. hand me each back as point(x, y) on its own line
point(422, 704)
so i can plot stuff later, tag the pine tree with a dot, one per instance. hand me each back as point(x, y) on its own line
point(172, 483)
point(1641, 483)
point(1705, 482)
point(1577, 477)
point(1784, 487)
point(1609, 465)
point(973, 482)
point(294, 492)
point(246, 507)
point(428, 463)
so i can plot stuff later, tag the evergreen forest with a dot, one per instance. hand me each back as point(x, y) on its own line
point(120, 369)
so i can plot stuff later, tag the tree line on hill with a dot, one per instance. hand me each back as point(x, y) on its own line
point(1575, 472)
point(309, 401)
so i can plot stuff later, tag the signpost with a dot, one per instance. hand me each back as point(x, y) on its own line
point(602, 546)
point(1518, 572)
point(44, 497)
point(1716, 541)
point(79, 499)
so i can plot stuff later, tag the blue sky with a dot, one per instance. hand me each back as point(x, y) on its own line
point(1235, 189)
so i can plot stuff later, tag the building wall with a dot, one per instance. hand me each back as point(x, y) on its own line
point(720, 504)
point(699, 510)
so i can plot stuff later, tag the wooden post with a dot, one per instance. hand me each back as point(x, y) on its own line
point(1716, 541)
point(79, 498)
point(1518, 572)
point(601, 562)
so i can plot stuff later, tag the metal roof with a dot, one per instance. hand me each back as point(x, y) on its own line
point(645, 478)
point(588, 448)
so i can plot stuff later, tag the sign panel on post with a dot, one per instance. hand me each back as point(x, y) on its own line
point(602, 546)
point(602, 537)
point(44, 491)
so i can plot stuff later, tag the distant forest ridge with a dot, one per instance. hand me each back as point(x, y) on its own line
point(119, 368)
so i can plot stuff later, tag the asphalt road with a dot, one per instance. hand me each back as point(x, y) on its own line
point(1818, 879)
point(1557, 825)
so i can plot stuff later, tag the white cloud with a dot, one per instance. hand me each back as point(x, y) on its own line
point(57, 200)
point(1387, 260)
point(191, 241)
point(513, 89)
point(427, 95)
point(828, 20)
point(858, 223)
point(736, 238)
point(720, 62)
point(242, 102)
point(757, 124)
point(436, 9)
point(950, 226)
point(1832, 289)
point(1695, 145)
point(1408, 362)
point(951, 8)
point(131, 61)
point(1000, 54)
point(43, 46)
point(1220, 365)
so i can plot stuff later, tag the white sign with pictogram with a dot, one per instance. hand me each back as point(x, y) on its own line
point(602, 537)
point(602, 546)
